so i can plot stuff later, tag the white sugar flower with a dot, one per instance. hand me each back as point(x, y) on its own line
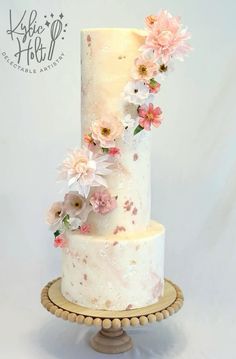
point(83, 169)
point(128, 121)
point(136, 92)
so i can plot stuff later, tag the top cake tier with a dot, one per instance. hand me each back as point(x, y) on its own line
point(107, 57)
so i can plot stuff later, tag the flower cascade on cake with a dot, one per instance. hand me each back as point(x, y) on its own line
point(165, 41)
point(85, 170)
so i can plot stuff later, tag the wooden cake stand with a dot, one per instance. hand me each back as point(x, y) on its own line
point(112, 338)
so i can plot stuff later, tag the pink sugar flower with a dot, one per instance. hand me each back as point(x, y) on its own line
point(85, 228)
point(144, 69)
point(150, 20)
point(154, 86)
point(167, 37)
point(102, 202)
point(59, 241)
point(89, 142)
point(114, 151)
point(106, 130)
point(74, 204)
point(148, 115)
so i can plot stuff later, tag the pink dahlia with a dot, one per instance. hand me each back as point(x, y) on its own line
point(148, 115)
point(167, 38)
point(84, 169)
point(144, 69)
point(106, 130)
point(102, 202)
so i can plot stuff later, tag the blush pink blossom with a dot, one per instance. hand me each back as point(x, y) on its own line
point(89, 142)
point(102, 202)
point(154, 86)
point(59, 241)
point(83, 169)
point(167, 37)
point(144, 69)
point(55, 215)
point(114, 151)
point(74, 204)
point(85, 228)
point(148, 115)
point(106, 130)
point(150, 21)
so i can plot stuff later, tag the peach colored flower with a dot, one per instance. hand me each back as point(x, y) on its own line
point(85, 229)
point(106, 130)
point(150, 20)
point(167, 38)
point(144, 69)
point(148, 115)
point(114, 151)
point(55, 215)
point(89, 142)
point(102, 202)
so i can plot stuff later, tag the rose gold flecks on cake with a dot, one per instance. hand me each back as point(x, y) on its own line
point(73, 264)
point(135, 157)
point(119, 229)
point(135, 211)
point(85, 261)
point(94, 300)
point(72, 284)
point(129, 307)
point(80, 283)
point(89, 40)
point(115, 243)
point(133, 222)
point(128, 205)
point(133, 262)
point(108, 303)
point(85, 277)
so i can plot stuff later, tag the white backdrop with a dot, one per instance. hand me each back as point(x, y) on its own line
point(193, 182)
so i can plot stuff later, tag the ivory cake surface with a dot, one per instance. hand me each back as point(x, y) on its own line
point(114, 272)
point(107, 59)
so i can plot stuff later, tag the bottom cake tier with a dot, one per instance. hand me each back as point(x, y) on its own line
point(117, 272)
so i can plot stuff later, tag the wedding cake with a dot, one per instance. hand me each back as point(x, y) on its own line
point(112, 252)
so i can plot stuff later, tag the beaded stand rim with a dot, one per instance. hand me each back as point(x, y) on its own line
point(114, 323)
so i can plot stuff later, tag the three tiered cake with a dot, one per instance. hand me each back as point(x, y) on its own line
point(113, 254)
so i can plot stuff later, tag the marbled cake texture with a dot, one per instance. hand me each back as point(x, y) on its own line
point(114, 273)
point(107, 59)
point(120, 265)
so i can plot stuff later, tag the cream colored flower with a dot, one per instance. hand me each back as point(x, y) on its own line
point(106, 130)
point(55, 215)
point(83, 169)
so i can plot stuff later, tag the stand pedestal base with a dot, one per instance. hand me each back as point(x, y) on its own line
point(111, 341)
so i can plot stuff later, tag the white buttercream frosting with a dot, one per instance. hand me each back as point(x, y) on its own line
point(114, 272)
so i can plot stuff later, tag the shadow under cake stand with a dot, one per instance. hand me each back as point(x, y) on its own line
point(111, 338)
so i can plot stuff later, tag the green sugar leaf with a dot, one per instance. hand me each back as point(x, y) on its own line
point(138, 129)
